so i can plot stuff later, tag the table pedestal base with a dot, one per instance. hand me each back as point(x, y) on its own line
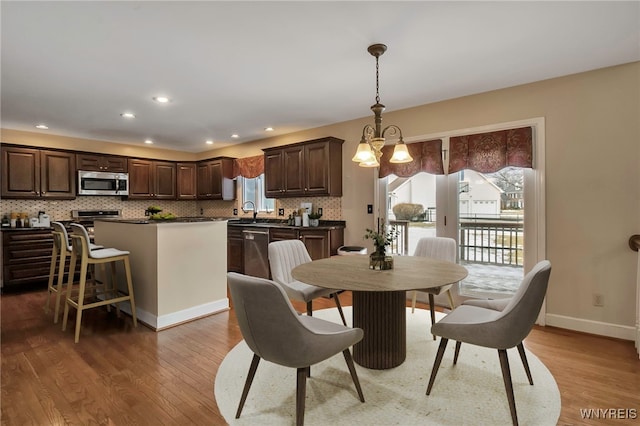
point(382, 316)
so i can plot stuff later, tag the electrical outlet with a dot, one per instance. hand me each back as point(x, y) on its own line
point(598, 299)
point(320, 211)
point(280, 212)
point(201, 212)
point(235, 212)
point(370, 208)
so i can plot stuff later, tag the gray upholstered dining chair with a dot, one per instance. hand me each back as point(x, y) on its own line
point(441, 248)
point(498, 329)
point(286, 255)
point(274, 331)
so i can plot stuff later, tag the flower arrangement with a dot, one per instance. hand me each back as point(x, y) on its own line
point(382, 238)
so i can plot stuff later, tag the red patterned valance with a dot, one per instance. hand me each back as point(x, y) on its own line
point(492, 151)
point(248, 167)
point(427, 157)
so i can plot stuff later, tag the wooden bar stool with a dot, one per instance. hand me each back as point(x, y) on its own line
point(87, 257)
point(61, 248)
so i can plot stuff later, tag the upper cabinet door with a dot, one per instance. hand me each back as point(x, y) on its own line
point(33, 173)
point(215, 180)
point(141, 179)
point(101, 163)
point(307, 169)
point(164, 180)
point(273, 174)
point(186, 180)
point(294, 184)
point(57, 175)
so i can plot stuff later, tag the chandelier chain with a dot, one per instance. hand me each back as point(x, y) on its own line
point(377, 83)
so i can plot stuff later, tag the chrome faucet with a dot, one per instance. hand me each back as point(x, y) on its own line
point(253, 207)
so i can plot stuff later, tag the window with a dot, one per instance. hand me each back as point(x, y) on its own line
point(253, 190)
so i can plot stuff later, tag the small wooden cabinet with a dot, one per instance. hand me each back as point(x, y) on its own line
point(26, 257)
point(306, 169)
point(152, 180)
point(32, 173)
point(101, 163)
point(215, 179)
point(235, 250)
point(186, 181)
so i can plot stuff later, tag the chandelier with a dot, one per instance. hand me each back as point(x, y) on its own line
point(370, 147)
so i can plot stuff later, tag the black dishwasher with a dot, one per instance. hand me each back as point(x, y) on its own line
point(256, 248)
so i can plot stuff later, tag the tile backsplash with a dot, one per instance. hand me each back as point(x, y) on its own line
point(61, 209)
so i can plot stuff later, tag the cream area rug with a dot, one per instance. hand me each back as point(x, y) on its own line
point(469, 393)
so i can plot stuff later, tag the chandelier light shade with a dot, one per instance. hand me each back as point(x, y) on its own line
point(369, 149)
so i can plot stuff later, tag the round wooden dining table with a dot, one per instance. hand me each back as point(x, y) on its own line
point(379, 298)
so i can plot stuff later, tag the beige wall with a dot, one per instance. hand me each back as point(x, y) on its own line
point(592, 181)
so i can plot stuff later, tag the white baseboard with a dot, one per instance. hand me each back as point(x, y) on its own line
point(175, 318)
point(618, 331)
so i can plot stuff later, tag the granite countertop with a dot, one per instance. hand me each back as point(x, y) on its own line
point(145, 221)
point(276, 223)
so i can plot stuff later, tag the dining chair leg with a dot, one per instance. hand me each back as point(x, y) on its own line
point(413, 301)
point(352, 369)
point(436, 363)
point(310, 308)
point(72, 268)
point(523, 357)
point(60, 287)
point(453, 306)
point(301, 393)
point(132, 301)
point(247, 384)
point(81, 295)
point(52, 272)
point(433, 312)
point(339, 306)
point(508, 385)
point(457, 352)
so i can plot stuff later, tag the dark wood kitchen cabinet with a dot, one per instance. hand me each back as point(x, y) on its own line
point(306, 169)
point(235, 250)
point(152, 180)
point(32, 173)
point(26, 257)
point(186, 181)
point(101, 163)
point(215, 179)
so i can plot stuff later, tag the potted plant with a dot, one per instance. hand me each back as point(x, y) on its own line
point(382, 238)
point(314, 218)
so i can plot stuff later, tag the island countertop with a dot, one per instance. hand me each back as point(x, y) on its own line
point(146, 220)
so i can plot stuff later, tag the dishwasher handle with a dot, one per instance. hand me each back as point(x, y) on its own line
point(251, 235)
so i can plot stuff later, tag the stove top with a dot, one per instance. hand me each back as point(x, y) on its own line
point(80, 215)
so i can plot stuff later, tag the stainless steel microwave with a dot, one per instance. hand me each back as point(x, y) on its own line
point(102, 183)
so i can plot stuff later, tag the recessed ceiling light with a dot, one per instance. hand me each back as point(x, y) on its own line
point(161, 99)
point(235, 136)
point(148, 142)
point(42, 126)
point(209, 142)
point(268, 129)
point(128, 115)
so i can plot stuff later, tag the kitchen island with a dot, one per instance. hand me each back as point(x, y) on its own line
point(178, 266)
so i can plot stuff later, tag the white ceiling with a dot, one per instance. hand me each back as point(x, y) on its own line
point(238, 67)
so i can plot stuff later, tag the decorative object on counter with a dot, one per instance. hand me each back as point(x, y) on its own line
point(305, 219)
point(370, 147)
point(5, 221)
point(297, 219)
point(314, 218)
point(381, 239)
point(152, 210)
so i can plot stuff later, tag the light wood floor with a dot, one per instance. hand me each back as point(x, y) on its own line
point(118, 375)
